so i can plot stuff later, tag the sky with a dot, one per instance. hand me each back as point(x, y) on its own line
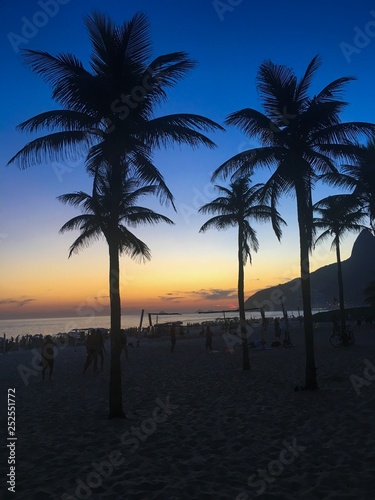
point(189, 270)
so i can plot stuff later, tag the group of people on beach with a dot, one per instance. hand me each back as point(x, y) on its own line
point(27, 341)
point(207, 332)
point(95, 349)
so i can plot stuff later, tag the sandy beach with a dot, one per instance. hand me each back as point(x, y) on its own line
point(198, 426)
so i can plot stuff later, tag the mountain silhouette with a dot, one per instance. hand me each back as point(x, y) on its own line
point(358, 271)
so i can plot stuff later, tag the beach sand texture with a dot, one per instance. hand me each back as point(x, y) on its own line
point(198, 426)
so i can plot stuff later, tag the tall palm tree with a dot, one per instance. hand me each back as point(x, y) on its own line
point(108, 113)
point(97, 220)
point(235, 208)
point(300, 138)
point(339, 215)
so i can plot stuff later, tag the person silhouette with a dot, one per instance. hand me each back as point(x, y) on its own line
point(91, 344)
point(124, 343)
point(99, 348)
point(48, 356)
point(208, 338)
point(276, 324)
point(173, 337)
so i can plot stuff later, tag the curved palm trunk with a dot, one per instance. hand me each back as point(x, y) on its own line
point(310, 377)
point(241, 301)
point(341, 294)
point(115, 392)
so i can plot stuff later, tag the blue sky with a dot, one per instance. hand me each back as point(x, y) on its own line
point(228, 40)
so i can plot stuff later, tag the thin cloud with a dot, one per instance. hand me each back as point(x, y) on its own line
point(15, 302)
point(172, 297)
point(215, 293)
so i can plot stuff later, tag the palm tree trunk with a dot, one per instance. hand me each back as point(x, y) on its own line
point(341, 294)
point(115, 392)
point(305, 241)
point(241, 301)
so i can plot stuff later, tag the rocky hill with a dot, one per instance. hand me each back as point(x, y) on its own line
point(358, 271)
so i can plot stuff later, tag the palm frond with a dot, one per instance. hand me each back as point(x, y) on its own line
point(59, 119)
point(84, 240)
point(250, 239)
point(218, 222)
point(243, 163)
point(323, 236)
point(254, 123)
point(135, 40)
point(277, 86)
point(146, 172)
point(104, 40)
point(168, 69)
point(333, 90)
point(339, 179)
point(72, 86)
point(132, 246)
point(79, 222)
point(74, 199)
point(178, 129)
point(344, 133)
point(305, 82)
point(53, 147)
point(54, 69)
point(141, 215)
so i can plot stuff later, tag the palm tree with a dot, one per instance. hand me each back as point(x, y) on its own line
point(97, 220)
point(361, 178)
point(108, 113)
point(339, 214)
point(238, 204)
point(300, 138)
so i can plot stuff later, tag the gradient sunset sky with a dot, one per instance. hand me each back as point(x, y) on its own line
point(188, 270)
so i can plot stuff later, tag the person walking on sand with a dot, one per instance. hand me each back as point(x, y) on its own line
point(208, 339)
point(124, 343)
point(48, 356)
point(99, 348)
point(91, 350)
point(173, 337)
point(277, 328)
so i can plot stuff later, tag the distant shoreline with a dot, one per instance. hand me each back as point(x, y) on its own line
point(53, 326)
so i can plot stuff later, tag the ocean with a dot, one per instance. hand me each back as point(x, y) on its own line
point(52, 326)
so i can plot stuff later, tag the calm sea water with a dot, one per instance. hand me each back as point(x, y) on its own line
point(52, 326)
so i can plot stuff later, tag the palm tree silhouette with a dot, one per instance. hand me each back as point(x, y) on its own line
point(361, 178)
point(300, 138)
point(99, 219)
point(235, 208)
point(339, 215)
point(107, 113)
